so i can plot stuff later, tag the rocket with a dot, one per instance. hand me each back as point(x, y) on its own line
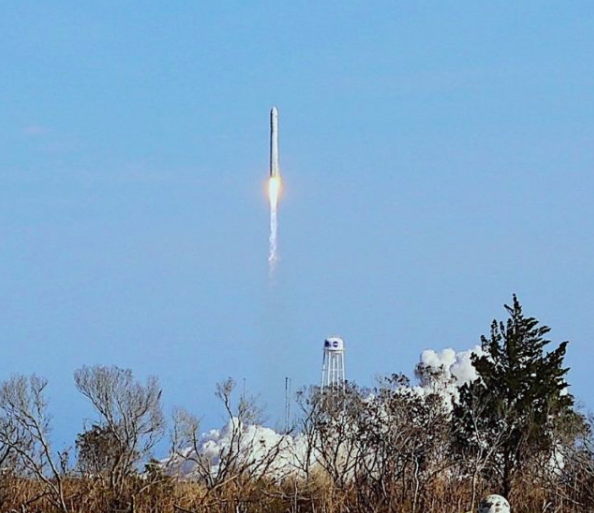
point(274, 167)
point(274, 189)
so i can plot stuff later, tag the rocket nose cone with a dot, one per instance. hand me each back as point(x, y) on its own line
point(274, 111)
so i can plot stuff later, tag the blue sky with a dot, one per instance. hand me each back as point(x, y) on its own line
point(437, 157)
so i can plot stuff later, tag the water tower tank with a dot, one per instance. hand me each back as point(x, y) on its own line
point(333, 373)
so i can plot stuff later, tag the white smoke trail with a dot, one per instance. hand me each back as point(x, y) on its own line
point(272, 242)
point(274, 187)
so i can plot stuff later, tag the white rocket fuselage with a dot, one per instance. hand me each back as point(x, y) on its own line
point(274, 166)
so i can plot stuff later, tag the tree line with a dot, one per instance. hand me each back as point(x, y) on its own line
point(514, 430)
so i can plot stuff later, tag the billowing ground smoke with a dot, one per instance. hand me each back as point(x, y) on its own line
point(254, 442)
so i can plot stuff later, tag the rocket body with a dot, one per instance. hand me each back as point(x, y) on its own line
point(274, 166)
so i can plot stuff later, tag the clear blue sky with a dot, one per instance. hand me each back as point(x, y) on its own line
point(437, 157)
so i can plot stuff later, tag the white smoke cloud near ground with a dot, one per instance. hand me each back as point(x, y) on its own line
point(256, 442)
point(457, 366)
point(253, 443)
point(453, 368)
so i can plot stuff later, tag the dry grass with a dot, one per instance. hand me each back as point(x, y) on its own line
point(316, 495)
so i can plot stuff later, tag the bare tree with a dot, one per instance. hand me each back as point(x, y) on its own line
point(24, 432)
point(130, 421)
point(402, 437)
point(98, 450)
point(380, 447)
point(244, 456)
point(7, 453)
point(337, 442)
point(566, 476)
point(309, 401)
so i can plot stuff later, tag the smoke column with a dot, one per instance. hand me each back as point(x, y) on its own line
point(274, 185)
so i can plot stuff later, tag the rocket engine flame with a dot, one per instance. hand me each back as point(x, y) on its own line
point(274, 191)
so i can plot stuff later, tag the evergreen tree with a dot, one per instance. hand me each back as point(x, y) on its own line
point(511, 412)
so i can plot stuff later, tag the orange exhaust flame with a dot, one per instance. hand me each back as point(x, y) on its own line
point(274, 191)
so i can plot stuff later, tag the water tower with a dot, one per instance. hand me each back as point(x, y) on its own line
point(333, 363)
